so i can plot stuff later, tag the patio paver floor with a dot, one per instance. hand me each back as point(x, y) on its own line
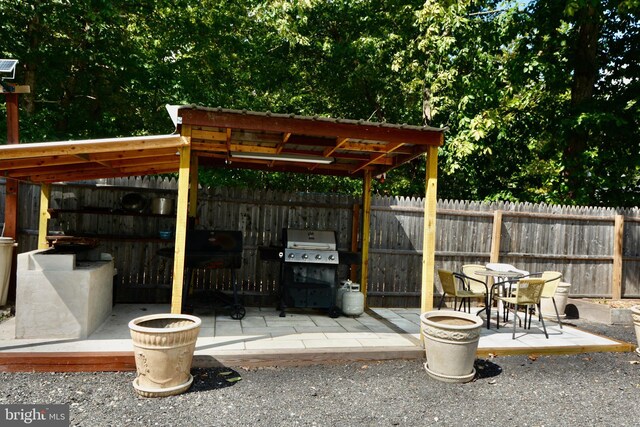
point(263, 332)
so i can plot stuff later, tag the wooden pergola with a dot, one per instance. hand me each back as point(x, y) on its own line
point(232, 139)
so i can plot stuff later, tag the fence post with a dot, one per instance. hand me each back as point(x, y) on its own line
point(618, 237)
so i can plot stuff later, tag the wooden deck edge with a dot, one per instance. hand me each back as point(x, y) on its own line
point(67, 361)
point(621, 347)
point(307, 357)
point(124, 361)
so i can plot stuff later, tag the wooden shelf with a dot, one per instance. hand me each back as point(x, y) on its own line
point(118, 237)
point(105, 211)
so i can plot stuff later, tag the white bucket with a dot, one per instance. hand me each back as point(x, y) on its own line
point(561, 296)
point(6, 256)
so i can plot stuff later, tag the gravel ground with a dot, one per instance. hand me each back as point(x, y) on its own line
point(576, 390)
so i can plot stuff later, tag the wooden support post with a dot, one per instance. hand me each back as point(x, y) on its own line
point(366, 226)
point(429, 230)
point(193, 189)
point(181, 228)
point(496, 234)
point(11, 188)
point(618, 240)
point(11, 209)
point(13, 127)
point(11, 197)
point(355, 230)
point(45, 192)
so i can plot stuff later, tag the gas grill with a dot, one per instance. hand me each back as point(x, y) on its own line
point(209, 249)
point(309, 270)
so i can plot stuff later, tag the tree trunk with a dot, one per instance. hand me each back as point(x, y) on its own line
point(33, 32)
point(585, 75)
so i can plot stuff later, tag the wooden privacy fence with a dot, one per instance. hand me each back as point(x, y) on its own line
point(596, 249)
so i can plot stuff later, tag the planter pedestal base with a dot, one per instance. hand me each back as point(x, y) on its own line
point(162, 392)
point(449, 378)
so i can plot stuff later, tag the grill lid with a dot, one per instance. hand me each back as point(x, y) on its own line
point(310, 239)
point(310, 246)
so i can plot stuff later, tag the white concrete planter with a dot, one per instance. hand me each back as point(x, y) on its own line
point(450, 342)
point(561, 296)
point(635, 315)
point(163, 347)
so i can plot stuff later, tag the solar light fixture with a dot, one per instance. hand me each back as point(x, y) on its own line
point(8, 66)
point(283, 157)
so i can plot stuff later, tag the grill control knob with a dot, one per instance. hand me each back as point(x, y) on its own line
point(318, 257)
point(332, 257)
point(305, 256)
point(292, 256)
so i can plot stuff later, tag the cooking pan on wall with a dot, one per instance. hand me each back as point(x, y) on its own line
point(133, 202)
point(73, 245)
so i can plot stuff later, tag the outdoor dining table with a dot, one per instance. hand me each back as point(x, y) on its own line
point(502, 277)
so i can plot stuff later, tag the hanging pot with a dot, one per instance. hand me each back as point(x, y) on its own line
point(162, 206)
point(133, 202)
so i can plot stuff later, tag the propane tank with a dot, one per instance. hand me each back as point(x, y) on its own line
point(353, 301)
point(344, 287)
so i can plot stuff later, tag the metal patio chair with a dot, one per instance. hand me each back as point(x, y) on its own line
point(448, 281)
point(527, 293)
point(551, 282)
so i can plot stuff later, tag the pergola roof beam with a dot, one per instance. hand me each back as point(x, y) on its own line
point(316, 126)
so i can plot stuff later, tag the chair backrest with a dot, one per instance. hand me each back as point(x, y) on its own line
point(448, 282)
point(551, 282)
point(529, 291)
point(470, 271)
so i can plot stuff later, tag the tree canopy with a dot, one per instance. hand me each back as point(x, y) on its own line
point(541, 98)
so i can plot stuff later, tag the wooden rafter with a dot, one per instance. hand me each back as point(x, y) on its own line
point(339, 143)
point(73, 176)
point(374, 158)
point(71, 148)
point(282, 143)
point(228, 139)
